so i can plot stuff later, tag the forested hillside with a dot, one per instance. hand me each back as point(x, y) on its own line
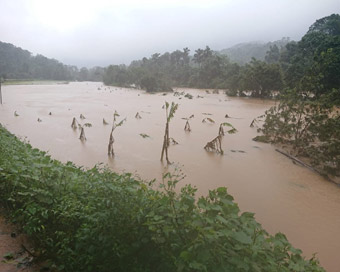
point(244, 52)
point(17, 63)
point(311, 65)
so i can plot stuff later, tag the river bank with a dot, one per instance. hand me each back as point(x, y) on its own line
point(285, 197)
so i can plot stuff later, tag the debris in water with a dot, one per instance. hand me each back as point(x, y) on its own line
point(208, 119)
point(74, 123)
point(144, 135)
point(104, 122)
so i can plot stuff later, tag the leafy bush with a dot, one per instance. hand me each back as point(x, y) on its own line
point(311, 127)
point(97, 220)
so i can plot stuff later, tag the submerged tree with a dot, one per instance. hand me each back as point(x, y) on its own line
point(169, 115)
point(215, 145)
point(110, 150)
point(187, 125)
point(232, 130)
point(82, 136)
point(75, 123)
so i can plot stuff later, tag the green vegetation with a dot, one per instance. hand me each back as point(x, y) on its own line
point(311, 127)
point(312, 65)
point(97, 220)
point(16, 63)
point(170, 111)
point(308, 118)
point(33, 82)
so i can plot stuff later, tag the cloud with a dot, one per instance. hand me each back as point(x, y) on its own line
point(101, 32)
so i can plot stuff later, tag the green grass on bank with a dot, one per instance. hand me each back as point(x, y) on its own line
point(32, 82)
point(97, 220)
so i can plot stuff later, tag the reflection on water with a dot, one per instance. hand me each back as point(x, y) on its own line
point(284, 196)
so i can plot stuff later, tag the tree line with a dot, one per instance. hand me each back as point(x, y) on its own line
point(17, 63)
point(308, 118)
point(312, 65)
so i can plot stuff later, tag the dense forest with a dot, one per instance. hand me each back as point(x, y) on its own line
point(17, 63)
point(311, 64)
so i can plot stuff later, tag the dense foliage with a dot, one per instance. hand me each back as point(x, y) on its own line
point(307, 117)
point(310, 127)
point(205, 69)
point(97, 220)
point(311, 65)
point(16, 63)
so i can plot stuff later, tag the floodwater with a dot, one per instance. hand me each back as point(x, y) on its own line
point(285, 197)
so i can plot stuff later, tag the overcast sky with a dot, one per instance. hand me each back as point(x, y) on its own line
point(103, 32)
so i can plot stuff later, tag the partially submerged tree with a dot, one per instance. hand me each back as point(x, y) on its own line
point(215, 145)
point(82, 134)
point(211, 121)
point(232, 130)
point(137, 116)
point(169, 115)
point(187, 125)
point(75, 123)
point(110, 150)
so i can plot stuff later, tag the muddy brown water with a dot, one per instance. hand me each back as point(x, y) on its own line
point(284, 197)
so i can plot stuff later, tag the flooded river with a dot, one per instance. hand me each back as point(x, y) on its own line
point(285, 197)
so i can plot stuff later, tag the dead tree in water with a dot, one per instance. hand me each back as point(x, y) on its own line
point(74, 123)
point(215, 145)
point(82, 134)
point(137, 116)
point(169, 115)
point(110, 150)
point(187, 125)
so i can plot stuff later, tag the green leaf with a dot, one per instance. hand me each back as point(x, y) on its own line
point(242, 237)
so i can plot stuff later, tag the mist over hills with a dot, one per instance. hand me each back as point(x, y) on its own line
point(242, 53)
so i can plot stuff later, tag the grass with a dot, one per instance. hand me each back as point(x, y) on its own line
point(33, 82)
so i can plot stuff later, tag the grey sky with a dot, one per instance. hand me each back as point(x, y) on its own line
point(103, 32)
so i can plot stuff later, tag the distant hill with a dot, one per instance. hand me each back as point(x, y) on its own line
point(243, 52)
point(17, 63)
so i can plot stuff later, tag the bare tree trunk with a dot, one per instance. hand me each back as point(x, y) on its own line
point(165, 142)
point(221, 131)
point(82, 135)
point(110, 150)
point(187, 126)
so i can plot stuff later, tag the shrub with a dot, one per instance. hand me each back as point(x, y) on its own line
point(97, 220)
